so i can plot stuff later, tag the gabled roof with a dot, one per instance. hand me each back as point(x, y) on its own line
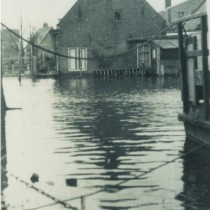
point(188, 7)
point(42, 33)
point(194, 24)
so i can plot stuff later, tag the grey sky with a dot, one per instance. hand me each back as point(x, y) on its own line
point(36, 12)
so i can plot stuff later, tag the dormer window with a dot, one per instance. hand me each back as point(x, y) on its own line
point(180, 14)
point(118, 15)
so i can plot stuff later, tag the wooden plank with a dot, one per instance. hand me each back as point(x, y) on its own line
point(189, 17)
point(183, 69)
point(191, 46)
point(204, 46)
point(194, 53)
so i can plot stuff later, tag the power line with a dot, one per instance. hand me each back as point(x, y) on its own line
point(57, 201)
point(126, 180)
point(73, 57)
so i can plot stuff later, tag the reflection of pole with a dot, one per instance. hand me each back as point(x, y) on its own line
point(82, 203)
point(4, 178)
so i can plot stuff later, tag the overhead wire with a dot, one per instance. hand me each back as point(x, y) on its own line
point(74, 57)
point(106, 188)
point(31, 186)
point(124, 181)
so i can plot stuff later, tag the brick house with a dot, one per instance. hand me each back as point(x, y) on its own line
point(93, 31)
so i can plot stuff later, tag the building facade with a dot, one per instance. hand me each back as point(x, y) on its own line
point(94, 34)
point(10, 50)
point(43, 60)
point(160, 55)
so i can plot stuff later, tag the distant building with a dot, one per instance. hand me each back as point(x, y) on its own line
point(93, 31)
point(43, 38)
point(192, 27)
point(10, 50)
point(186, 8)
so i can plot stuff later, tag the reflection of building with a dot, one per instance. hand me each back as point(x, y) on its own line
point(10, 50)
point(93, 30)
point(196, 192)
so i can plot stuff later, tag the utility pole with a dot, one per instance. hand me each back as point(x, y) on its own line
point(3, 101)
point(20, 53)
point(80, 61)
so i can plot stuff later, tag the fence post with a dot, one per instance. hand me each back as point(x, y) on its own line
point(82, 203)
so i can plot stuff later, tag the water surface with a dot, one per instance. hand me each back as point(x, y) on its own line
point(101, 133)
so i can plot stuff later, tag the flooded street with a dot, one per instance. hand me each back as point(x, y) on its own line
point(103, 135)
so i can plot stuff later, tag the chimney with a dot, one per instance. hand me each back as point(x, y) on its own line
point(168, 9)
point(167, 3)
point(45, 25)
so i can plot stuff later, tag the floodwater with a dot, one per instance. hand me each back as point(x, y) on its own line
point(104, 136)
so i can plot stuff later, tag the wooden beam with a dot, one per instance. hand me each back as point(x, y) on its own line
point(189, 17)
point(194, 53)
point(204, 47)
point(183, 69)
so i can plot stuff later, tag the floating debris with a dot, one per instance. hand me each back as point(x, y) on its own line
point(34, 178)
point(71, 182)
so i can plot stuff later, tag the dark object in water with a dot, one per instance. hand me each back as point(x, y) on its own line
point(34, 178)
point(71, 182)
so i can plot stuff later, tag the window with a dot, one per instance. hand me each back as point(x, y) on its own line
point(154, 54)
point(143, 55)
point(118, 15)
point(180, 14)
point(79, 59)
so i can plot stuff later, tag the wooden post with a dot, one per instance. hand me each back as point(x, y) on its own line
point(205, 53)
point(20, 54)
point(34, 66)
point(80, 62)
point(82, 203)
point(41, 63)
point(183, 69)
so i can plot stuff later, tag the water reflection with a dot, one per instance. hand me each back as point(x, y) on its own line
point(98, 133)
point(196, 178)
point(4, 179)
point(116, 124)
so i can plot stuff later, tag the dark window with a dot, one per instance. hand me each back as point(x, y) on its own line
point(118, 15)
point(180, 14)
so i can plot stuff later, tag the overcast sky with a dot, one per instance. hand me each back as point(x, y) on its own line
point(36, 12)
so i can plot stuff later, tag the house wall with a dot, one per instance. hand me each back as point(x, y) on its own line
point(9, 50)
point(91, 24)
point(47, 43)
point(45, 59)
